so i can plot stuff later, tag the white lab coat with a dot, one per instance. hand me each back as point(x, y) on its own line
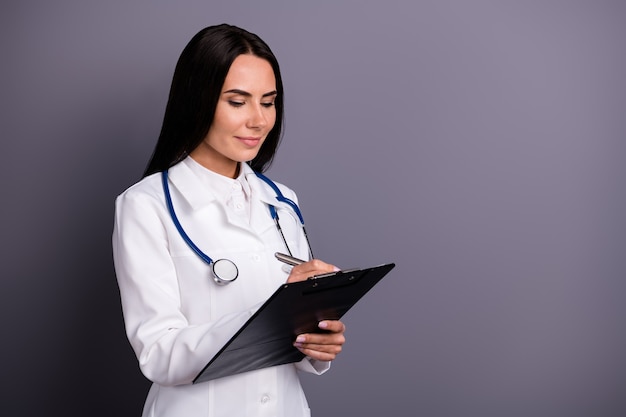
point(177, 317)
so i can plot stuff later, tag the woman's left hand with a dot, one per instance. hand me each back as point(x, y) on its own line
point(323, 346)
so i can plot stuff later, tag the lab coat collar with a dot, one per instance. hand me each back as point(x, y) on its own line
point(259, 188)
point(190, 186)
point(193, 191)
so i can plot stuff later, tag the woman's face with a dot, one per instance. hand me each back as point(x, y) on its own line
point(244, 115)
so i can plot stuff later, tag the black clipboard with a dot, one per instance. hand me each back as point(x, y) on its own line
point(266, 339)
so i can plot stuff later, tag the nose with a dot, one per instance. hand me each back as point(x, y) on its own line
point(257, 118)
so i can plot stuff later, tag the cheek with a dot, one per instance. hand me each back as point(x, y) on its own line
point(226, 119)
point(226, 122)
point(271, 121)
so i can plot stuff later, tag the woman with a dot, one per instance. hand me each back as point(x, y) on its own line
point(222, 123)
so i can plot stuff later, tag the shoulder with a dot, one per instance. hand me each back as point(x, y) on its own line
point(150, 186)
point(143, 196)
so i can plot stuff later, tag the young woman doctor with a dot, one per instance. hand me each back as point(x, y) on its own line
point(222, 125)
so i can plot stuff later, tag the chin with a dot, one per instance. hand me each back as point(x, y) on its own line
point(248, 158)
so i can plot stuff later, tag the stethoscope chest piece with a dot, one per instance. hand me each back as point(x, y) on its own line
point(224, 271)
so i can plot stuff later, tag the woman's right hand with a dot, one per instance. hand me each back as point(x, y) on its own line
point(308, 269)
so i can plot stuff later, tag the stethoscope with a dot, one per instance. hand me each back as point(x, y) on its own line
point(224, 271)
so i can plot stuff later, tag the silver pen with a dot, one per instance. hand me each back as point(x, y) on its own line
point(289, 260)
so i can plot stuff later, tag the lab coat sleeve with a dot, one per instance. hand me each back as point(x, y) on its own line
point(313, 366)
point(170, 351)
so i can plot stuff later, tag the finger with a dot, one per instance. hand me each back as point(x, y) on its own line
point(322, 355)
point(310, 340)
point(314, 265)
point(335, 326)
point(322, 351)
point(309, 269)
point(321, 347)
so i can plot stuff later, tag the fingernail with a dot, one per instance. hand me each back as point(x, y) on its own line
point(336, 269)
point(300, 339)
point(323, 325)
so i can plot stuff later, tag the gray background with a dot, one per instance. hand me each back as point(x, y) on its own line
point(480, 145)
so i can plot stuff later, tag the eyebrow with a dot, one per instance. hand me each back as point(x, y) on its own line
point(246, 94)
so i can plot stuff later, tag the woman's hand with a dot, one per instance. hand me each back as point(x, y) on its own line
point(308, 269)
point(323, 346)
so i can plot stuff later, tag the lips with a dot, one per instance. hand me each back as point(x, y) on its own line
point(249, 141)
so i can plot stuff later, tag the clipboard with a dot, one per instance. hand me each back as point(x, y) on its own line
point(266, 339)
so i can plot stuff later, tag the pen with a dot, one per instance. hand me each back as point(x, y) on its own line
point(289, 260)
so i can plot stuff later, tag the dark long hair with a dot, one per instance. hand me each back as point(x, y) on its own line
point(196, 87)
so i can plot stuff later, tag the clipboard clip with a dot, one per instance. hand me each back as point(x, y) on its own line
point(332, 280)
point(332, 274)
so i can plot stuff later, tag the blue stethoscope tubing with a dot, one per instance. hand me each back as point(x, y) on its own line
point(225, 271)
point(281, 198)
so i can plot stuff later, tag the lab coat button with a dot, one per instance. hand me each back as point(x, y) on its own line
point(265, 399)
point(256, 258)
point(238, 206)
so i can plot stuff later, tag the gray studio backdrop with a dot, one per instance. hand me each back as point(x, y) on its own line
point(477, 144)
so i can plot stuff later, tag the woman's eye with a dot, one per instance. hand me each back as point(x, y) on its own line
point(235, 103)
point(267, 104)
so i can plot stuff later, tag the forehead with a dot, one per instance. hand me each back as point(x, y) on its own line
point(250, 73)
